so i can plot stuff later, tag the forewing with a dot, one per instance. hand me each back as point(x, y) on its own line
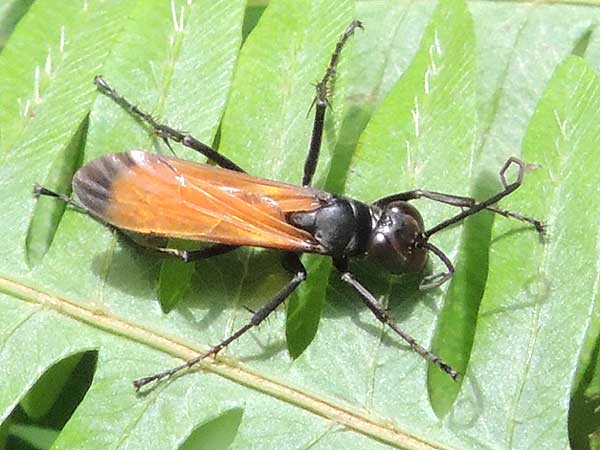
point(288, 197)
point(163, 196)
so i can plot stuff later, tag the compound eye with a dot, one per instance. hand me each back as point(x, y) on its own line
point(393, 241)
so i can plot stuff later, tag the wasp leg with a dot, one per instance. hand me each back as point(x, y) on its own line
point(324, 89)
point(437, 279)
point(479, 206)
point(371, 302)
point(257, 318)
point(41, 190)
point(164, 131)
point(196, 255)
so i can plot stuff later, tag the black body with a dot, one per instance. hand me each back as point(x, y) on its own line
point(341, 226)
point(388, 234)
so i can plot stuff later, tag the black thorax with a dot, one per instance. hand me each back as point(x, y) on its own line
point(341, 226)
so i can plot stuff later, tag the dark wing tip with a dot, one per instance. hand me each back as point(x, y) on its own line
point(93, 182)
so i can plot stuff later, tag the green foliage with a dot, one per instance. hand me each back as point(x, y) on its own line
point(427, 96)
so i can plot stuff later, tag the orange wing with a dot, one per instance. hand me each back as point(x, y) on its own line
point(165, 196)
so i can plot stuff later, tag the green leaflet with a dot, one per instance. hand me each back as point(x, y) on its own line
point(355, 386)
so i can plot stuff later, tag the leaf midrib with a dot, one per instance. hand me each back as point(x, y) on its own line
point(354, 419)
